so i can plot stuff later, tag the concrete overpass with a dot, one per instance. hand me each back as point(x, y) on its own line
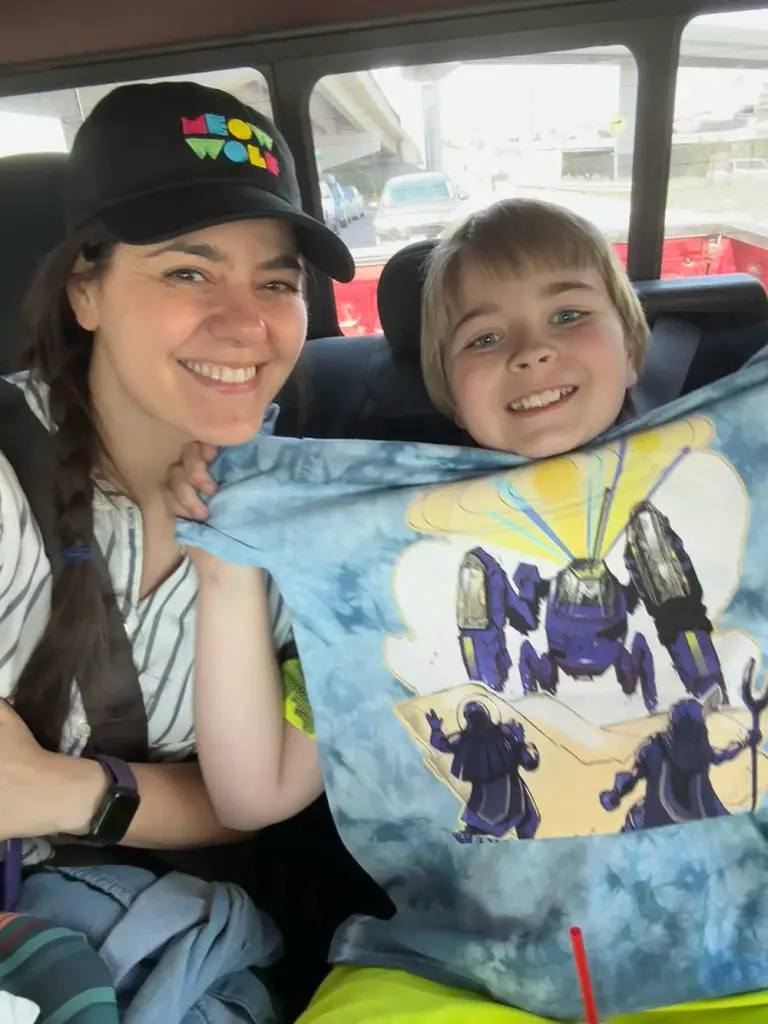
point(704, 45)
point(351, 116)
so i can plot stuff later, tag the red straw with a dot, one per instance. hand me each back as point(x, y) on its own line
point(582, 970)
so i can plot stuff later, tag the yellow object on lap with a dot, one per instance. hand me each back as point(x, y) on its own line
point(373, 995)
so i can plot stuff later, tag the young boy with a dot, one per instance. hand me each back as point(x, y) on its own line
point(532, 339)
point(532, 335)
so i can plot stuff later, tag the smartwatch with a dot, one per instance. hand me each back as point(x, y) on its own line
point(121, 801)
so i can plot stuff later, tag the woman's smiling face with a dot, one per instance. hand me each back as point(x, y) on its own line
point(199, 333)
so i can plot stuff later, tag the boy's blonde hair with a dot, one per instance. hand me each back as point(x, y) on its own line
point(513, 236)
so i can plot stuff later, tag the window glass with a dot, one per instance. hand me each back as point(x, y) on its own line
point(717, 205)
point(405, 153)
point(48, 121)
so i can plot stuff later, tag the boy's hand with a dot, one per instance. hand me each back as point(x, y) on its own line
point(188, 476)
point(185, 478)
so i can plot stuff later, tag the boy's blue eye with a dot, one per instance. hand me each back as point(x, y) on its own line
point(567, 316)
point(484, 341)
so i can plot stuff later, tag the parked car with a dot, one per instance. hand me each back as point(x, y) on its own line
point(354, 202)
point(743, 169)
point(329, 207)
point(417, 206)
point(337, 194)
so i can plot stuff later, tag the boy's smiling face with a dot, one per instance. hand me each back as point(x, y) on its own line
point(537, 365)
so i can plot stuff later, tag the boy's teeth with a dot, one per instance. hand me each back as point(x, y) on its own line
point(541, 399)
point(226, 374)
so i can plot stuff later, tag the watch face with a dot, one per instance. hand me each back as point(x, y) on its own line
point(114, 816)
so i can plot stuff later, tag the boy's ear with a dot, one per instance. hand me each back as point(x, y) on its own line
point(631, 373)
point(628, 409)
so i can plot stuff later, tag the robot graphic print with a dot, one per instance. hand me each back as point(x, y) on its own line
point(570, 668)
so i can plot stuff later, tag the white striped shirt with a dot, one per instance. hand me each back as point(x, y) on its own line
point(161, 626)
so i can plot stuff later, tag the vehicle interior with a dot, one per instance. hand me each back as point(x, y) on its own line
point(650, 116)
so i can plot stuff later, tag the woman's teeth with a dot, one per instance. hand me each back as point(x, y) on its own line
point(225, 374)
point(541, 399)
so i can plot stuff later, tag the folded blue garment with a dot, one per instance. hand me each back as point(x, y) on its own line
point(178, 950)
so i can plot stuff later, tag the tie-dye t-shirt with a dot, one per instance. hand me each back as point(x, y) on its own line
point(537, 691)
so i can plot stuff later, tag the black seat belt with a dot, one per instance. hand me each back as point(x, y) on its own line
point(116, 715)
point(671, 353)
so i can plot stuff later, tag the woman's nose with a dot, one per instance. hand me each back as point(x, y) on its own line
point(240, 319)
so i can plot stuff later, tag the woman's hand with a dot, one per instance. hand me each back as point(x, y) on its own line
point(43, 793)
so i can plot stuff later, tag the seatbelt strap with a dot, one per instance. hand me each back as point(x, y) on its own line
point(119, 704)
point(671, 353)
point(10, 881)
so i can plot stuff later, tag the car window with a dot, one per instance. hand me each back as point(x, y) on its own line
point(425, 147)
point(416, 192)
point(48, 121)
point(717, 199)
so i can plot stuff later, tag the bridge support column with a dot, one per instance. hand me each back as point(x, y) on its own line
point(429, 75)
point(625, 138)
point(433, 138)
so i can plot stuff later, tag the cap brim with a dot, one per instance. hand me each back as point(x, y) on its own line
point(146, 219)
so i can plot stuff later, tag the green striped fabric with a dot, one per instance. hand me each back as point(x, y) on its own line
point(56, 969)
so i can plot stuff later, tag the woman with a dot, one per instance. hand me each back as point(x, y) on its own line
point(174, 311)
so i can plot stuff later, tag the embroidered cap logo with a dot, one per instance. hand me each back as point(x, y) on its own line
point(213, 135)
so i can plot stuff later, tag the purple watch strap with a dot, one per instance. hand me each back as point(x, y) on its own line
point(11, 886)
point(121, 775)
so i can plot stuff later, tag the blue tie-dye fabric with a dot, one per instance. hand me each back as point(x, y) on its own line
point(517, 670)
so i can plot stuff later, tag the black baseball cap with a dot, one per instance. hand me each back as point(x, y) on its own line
point(153, 161)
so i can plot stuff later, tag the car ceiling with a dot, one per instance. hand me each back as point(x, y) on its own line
point(49, 31)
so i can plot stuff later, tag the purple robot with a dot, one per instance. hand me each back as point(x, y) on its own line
point(669, 588)
point(586, 624)
point(486, 603)
point(490, 757)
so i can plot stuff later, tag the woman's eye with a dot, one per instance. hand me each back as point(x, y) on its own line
point(484, 341)
point(185, 274)
point(283, 287)
point(568, 316)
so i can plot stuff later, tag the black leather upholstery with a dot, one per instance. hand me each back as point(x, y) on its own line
point(32, 223)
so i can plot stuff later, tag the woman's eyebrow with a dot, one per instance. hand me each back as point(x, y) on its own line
point(201, 249)
point(286, 261)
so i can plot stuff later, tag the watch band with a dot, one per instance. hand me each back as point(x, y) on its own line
point(118, 771)
point(119, 805)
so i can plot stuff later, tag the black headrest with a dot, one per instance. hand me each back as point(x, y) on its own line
point(715, 301)
point(31, 224)
point(719, 300)
point(398, 296)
